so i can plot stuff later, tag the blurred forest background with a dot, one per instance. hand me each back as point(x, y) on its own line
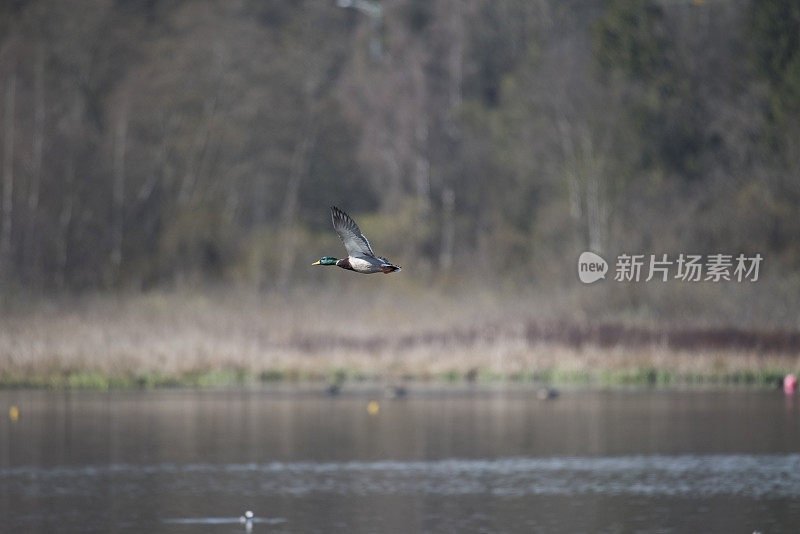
point(479, 143)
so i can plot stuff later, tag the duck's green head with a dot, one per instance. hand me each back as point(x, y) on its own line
point(326, 260)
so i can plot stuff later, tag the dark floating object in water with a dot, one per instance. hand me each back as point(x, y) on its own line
point(333, 390)
point(396, 392)
point(472, 375)
point(547, 393)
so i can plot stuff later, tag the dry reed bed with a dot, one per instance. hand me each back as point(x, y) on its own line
point(165, 339)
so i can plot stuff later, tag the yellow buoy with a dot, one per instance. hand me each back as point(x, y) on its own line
point(13, 413)
point(373, 407)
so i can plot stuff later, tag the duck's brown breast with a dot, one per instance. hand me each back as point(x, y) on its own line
point(344, 263)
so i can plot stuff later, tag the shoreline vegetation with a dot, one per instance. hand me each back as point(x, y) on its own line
point(174, 163)
point(173, 340)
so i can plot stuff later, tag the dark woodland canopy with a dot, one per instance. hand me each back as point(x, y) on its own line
point(151, 143)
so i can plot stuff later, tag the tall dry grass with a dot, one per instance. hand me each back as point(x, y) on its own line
point(177, 338)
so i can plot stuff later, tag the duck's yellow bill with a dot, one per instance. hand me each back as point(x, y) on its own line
point(316, 263)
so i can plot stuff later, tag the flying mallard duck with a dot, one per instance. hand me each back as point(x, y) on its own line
point(360, 257)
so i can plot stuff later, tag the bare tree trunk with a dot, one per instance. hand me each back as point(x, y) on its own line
point(573, 188)
point(448, 228)
point(260, 197)
point(68, 193)
point(118, 196)
point(421, 165)
point(455, 62)
point(202, 140)
point(593, 214)
point(64, 220)
point(157, 175)
point(596, 210)
point(286, 246)
point(36, 168)
point(456, 59)
point(8, 174)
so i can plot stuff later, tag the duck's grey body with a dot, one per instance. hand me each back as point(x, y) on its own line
point(361, 258)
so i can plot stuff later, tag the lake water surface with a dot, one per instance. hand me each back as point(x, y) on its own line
point(646, 461)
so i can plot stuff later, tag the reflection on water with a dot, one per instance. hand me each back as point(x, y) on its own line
point(182, 461)
point(766, 476)
point(223, 520)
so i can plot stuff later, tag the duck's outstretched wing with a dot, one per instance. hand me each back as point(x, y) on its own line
point(354, 241)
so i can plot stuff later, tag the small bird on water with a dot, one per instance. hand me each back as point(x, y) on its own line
point(247, 520)
point(360, 257)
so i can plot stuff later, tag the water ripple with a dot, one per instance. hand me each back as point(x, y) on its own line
point(755, 476)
